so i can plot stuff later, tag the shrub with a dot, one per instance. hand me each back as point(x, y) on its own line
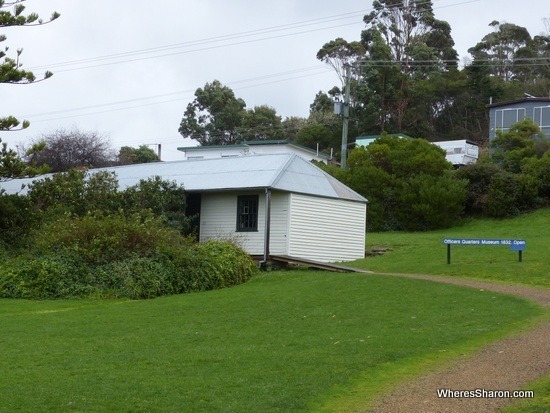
point(17, 218)
point(76, 193)
point(49, 276)
point(170, 269)
point(139, 277)
point(99, 240)
point(408, 183)
point(163, 198)
point(208, 266)
point(431, 202)
point(496, 193)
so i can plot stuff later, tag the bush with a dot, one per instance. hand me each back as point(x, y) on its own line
point(171, 269)
point(408, 183)
point(496, 193)
point(17, 218)
point(49, 276)
point(431, 202)
point(98, 240)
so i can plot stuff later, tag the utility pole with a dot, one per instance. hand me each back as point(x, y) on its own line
point(343, 156)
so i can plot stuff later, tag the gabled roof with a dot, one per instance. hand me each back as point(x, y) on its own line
point(284, 172)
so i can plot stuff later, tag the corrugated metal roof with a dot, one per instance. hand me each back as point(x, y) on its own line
point(285, 172)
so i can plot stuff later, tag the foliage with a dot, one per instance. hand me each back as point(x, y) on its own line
point(12, 166)
point(409, 185)
point(17, 219)
point(512, 148)
point(10, 68)
point(129, 156)
point(515, 177)
point(95, 241)
point(66, 149)
point(214, 117)
point(131, 256)
point(539, 170)
point(405, 44)
point(339, 53)
point(75, 192)
point(405, 75)
point(261, 123)
point(163, 198)
point(217, 117)
point(98, 239)
point(509, 50)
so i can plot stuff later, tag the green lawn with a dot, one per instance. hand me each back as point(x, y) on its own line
point(285, 341)
point(424, 252)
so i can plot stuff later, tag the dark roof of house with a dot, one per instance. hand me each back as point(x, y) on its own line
point(523, 100)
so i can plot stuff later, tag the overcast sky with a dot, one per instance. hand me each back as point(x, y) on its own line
point(129, 68)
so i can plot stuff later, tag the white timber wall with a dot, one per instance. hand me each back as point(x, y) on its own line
point(280, 213)
point(218, 220)
point(326, 230)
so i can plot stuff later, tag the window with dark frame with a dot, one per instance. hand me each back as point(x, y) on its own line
point(247, 213)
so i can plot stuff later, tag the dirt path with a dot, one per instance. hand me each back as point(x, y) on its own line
point(509, 364)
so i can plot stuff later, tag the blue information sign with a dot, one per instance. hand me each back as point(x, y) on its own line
point(514, 244)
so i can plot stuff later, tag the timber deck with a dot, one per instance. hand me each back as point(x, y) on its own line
point(316, 264)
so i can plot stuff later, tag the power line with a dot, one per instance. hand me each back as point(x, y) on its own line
point(129, 56)
point(316, 68)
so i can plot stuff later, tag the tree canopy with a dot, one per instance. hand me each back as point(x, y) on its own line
point(128, 155)
point(12, 14)
point(70, 148)
point(217, 117)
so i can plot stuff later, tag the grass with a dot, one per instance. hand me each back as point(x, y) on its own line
point(285, 341)
point(424, 253)
point(541, 402)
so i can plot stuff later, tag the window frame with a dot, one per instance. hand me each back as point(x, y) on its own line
point(247, 201)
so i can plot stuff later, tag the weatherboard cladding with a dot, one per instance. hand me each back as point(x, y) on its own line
point(218, 218)
point(334, 232)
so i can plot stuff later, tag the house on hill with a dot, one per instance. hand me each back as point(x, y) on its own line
point(266, 147)
point(271, 204)
point(502, 115)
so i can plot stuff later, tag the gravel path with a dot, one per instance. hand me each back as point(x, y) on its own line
point(509, 364)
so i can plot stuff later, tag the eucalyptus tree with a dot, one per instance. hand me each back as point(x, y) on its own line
point(512, 55)
point(404, 43)
point(261, 123)
point(214, 117)
point(498, 49)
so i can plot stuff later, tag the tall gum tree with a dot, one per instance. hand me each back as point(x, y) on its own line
point(416, 45)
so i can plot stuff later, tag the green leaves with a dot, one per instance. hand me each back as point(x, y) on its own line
point(217, 117)
point(11, 166)
point(10, 69)
point(409, 185)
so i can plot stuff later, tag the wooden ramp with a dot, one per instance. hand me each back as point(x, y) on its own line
point(315, 264)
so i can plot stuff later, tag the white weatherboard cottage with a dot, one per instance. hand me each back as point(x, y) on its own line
point(275, 204)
